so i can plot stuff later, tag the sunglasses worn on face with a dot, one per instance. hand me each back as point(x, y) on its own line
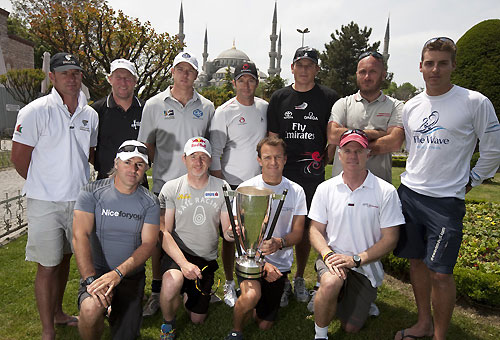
point(131, 148)
point(374, 54)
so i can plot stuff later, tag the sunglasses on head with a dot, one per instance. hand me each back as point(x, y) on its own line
point(373, 54)
point(353, 131)
point(131, 148)
point(442, 39)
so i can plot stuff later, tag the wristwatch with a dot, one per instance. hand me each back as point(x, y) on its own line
point(357, 261)
point(89, 280)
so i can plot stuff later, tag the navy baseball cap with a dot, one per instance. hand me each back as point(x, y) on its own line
point(306, 52)
point(64, 61)
point(247, 67)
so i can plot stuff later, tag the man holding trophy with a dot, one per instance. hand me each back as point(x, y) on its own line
point(261, 293)
point(193, 206)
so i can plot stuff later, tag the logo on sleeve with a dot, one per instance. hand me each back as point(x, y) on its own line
point(19, 129)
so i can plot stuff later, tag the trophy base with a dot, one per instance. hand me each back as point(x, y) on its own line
point(249, 268)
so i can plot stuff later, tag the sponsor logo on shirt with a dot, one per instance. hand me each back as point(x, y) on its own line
point(127, 215)
point(313, 163)
point(199, 216)
point(383, 114)
point(427, 130)
point(288, 115)
point(311, 116)
point(302, 106)
point(299, 132)
point(84, 125)
point(19, 129)
point(169, 114)
point(211, 194)
point(198, 114)
point(242, 121)
point(368, 205)
point(135, 124)
point(184, 196)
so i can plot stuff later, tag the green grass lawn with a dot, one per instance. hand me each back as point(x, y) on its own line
point(19, 316)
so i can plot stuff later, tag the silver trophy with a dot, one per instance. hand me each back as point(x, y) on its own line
point(253, 208)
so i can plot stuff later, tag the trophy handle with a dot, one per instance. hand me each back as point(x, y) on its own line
point(277, 214)
point(231, 219)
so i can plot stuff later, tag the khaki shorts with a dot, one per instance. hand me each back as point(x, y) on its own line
point(355, 297)
point(50, 231)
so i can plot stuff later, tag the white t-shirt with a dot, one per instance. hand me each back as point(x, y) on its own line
point(59, 164)
point(354, 219)
point(295, 204)
point(441, 134)
point(235, 131)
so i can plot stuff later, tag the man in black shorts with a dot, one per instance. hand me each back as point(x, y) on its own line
point(299, 115)
point(262, 296)
point(193, 206)
point(115, 228)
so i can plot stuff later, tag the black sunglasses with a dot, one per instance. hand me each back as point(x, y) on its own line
point(131, 148)
point(197, 284)
point(353, 131)
point(442, 39)
point(373, 54)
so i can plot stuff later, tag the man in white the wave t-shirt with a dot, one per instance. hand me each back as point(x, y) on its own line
point(263, 295)
point(442, 126)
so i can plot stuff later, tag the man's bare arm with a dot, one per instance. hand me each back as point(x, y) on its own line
point(83, 224)
point(21, 158)
point(389, 143)
point(334, 131)
point(151, 151)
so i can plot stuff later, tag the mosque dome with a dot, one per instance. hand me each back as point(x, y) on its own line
point(233, 53)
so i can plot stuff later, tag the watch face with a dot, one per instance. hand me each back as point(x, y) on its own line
point(357, 260)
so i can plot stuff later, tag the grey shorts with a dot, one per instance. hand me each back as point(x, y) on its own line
point(355, 296)
point(50, 231)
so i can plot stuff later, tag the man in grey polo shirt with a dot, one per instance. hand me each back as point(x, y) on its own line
point(53, 140)
point(169, 119)
point(116, 225)
point(378, 115)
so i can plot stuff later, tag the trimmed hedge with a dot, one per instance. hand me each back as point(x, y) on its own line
point(400, 161)
point(477, 272)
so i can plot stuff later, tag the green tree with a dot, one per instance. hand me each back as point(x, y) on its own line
point(478, 61)
point(270, 86)
point(24, 84)
point(228, 84)
point(217, 94)
point(97, 35)
point(402, 92)
point(340, 59)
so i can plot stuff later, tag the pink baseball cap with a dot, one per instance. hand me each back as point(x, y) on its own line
point(355, 135)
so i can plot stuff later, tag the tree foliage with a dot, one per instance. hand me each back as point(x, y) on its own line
point(217, 94)
point(402, 92)
point(478, 61)
point(272, 84)
point(339, 61)
point(97, 35)
point(23, 84)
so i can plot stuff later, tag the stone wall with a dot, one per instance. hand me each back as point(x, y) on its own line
point(17, 52)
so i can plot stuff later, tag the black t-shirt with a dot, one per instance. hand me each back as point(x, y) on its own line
point(115, 127)
point(301, 119)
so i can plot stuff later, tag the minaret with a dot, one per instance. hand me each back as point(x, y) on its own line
point(386, 42)
point(205, 51)
point(181, 27)
point(273, 37)
point(278, 58)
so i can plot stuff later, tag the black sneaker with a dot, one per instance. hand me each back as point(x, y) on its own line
point(234, 336)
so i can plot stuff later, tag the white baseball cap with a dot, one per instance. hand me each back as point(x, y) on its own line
point(198, 144)
point(132, 148)
point(125, 64)
point(186, 57)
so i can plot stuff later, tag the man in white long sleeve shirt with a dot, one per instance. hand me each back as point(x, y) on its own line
point(442, 126)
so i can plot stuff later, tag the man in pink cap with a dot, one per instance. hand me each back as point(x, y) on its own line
point(355, 219)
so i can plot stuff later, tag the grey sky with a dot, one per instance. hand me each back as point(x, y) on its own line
point(248, 22)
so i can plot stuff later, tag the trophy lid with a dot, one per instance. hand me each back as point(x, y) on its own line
point(254, 191)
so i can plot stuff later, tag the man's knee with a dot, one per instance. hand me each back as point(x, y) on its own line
point(198, 319)
point(172, 281)
point(350, 328)
point(330, 284)
point(265, 325)
point(441, 279)
point(90, 312)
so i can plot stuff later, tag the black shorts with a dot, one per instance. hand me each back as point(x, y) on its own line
point(433, 229)
point(126, 306)
point(197, 301)
point(269, 303)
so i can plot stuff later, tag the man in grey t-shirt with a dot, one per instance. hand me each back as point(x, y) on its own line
point(115, 228)
point(193, 206)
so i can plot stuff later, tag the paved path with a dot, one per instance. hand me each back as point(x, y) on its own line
point(10, 182)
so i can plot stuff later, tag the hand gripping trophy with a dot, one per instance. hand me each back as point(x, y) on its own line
point(253, 208)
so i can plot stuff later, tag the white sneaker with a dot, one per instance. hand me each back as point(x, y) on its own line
point(286, 293)
point(310, 305)
point(152, 306)
point(299, 287)
point(373, 311)
point(230, 296)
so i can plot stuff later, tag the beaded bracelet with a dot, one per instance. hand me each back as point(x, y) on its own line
point(327, 255)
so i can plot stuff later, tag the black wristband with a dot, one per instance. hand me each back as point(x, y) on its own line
point(117, 271)
point(89, 280)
